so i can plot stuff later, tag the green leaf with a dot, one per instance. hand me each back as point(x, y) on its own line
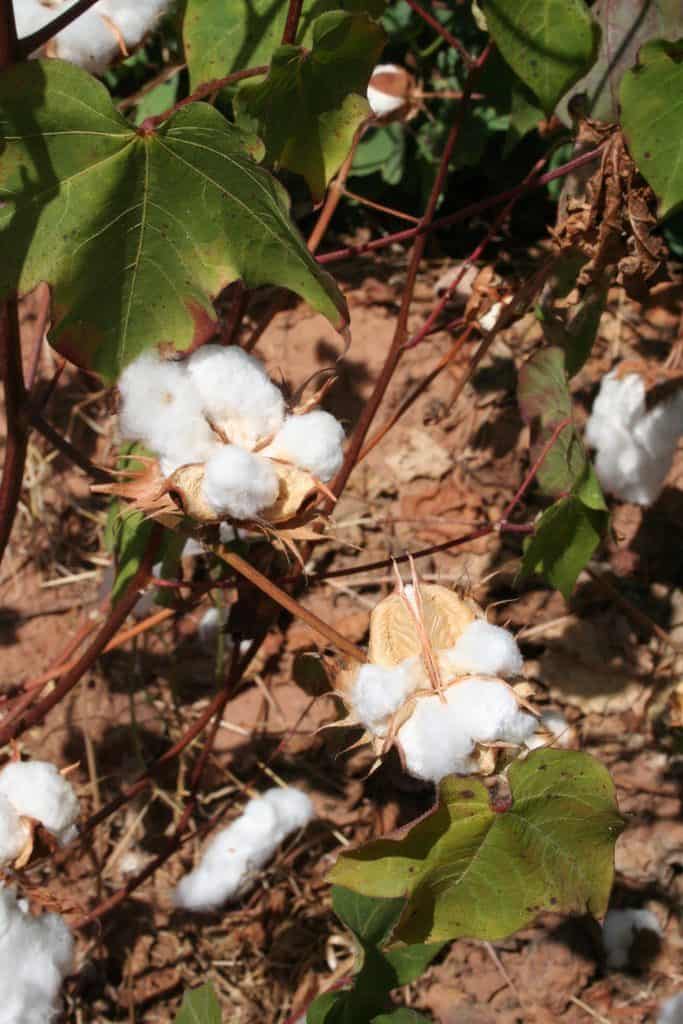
point(410, 962)
point(652, 119)
point(626, 25)
point(401, 1016)
point(129, 534)
point(222, 36)
point(309, 106)
point(564, 539)
point(371, 920)
point(327, 1008)
point(136, 233)
point(200, 1006)
point(382, 149)
point(548, 43)
point(468, 871)
point(525, 115)
point(157, 100)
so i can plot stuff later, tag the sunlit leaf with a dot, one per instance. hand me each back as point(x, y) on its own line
point(548, 43)
point(652, 119)
point(136, 232)
point(565, 538)
point(309, 106)
point(465, 870)
point(200, 1006)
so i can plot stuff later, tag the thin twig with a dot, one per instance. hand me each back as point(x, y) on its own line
point(15, 413)
point(148, 126)
point(636, 614)
point(29, 44)
point(466, 213)
point(443, 32)
point(335, 191)
point(67, 449)
point(292, 22)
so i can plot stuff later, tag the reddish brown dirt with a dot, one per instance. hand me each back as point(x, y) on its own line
point(444, 468)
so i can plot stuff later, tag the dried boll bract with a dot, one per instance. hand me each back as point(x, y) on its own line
point(108, 31)
point(35, 956)
point(226, 448)
point(436, 684)
point(232, 857)
point(634, 443)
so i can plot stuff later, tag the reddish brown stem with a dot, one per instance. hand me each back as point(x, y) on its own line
point(68, 450)
point(292, 23)
point(335, 192)
point(17, 423)
point(533, 471)
point(442, 31)
point(391, 362)
point(8, 34)
point(117, 616)
point(200, 93)
point(464, 214)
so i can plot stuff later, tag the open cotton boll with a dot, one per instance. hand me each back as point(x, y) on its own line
point(14, 832)
point(378, 692)
point(232, 857)
point(312, 441)
point(554, 728)
point(37, 790)
point(438, 738)
point(161, 408)
point(671, 1010)
point(238, 483)
point(237, 393)
point(35, 955)
point(484, 649)
point(634, 446)
point(619, 932)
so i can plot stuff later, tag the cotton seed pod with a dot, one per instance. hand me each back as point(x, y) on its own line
point(390, 93)
point(435, 685)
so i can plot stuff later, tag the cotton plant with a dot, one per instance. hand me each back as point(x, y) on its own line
point(107, 31)
point(441, 684)
point(36, 954)
point(226, 446)
point(390, 92)
point(635, 432)
point(229, 862)
point(620, 931)
point(31, 793)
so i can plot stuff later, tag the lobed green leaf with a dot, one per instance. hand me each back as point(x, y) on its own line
point(465, 870)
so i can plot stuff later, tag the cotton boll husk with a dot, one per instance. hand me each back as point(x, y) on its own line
point(238, 483)
point(161, 407)
point(37, 790)
point(14, 833)
point(619, 931)
point(486, 649)
point(378, 692)
point(312, 441)
point(439, 737)
point(382, 102)
point(237, 393)
point(35, 955)
point(671, 1010)
point(234, 854)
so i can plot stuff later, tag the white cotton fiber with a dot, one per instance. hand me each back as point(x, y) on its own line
point(634, 446)
point(210, 623)
point(439, 737)
point(238, 483)
point(37, 790)
point(14, 833)
point(671, 1010)
point(35, 956)
point(554, 729)
point(237, 393)
point(161, 408)
point(231, 859)
point(378, 692)
point(382, 103)
point(484, 649)
point(312, 441)
point(619, 931)
point(93, 40)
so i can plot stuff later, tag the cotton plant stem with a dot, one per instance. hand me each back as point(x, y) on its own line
point(148, 126)
point(34, 41)
point(16, 442)
point(8, 33)
point(335, 191)
point(466, 213)
point(289, 603)
point(114, 621)
point(393, 356)
point(442, 31)
point(67, 449)
point(292, 22)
